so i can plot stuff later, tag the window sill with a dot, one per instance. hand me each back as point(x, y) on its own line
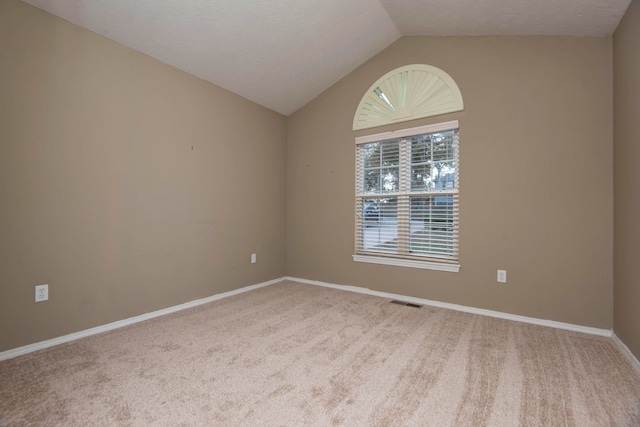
point(399, 262)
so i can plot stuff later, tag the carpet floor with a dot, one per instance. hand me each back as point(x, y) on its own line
point(294, 354)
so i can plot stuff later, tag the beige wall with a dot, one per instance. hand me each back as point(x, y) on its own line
point(125, 184)
point(115, 176)
point(536, 177)
point(626, 49)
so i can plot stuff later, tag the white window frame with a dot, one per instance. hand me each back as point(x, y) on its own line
point(404, 260)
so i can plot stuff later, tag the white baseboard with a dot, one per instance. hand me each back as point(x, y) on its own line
point(625, 350)
point(126, 322)
point(132, 320)
point(473, 310)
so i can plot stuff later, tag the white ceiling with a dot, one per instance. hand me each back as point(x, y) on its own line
point(283, 53)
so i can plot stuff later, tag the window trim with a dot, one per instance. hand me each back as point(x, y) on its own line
point(400, 260)
point(404, 262)
point(403, 133)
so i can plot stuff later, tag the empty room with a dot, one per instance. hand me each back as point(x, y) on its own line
point(319, 212)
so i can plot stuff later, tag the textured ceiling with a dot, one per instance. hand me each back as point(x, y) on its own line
point(283, 53)
point(512, 17)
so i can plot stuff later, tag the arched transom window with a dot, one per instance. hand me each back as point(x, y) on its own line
point(408, 93)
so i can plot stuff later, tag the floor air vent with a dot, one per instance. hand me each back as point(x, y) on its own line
point(408, 304)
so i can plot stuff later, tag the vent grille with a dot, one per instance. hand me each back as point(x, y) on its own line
point(408, 304)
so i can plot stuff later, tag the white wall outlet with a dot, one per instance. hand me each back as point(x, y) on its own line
point(253, 258)
point(42, 293)
point(502, 276)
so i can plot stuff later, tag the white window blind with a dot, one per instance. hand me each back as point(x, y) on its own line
point(407, 193)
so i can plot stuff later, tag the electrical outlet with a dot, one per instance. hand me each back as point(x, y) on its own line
point(502, 276)
point(42, 293)
point(253, 258)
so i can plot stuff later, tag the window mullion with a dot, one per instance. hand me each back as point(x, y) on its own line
point(359, 190)
point(404, 224)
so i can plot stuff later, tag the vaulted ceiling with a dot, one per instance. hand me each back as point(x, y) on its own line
point(283, 53)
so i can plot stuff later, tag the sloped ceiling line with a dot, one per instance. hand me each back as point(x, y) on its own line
point(283, 53)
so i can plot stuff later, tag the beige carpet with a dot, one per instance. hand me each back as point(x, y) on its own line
point(293, 354)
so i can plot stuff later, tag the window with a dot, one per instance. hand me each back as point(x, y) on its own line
point(408, 93)
point(407, 197)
